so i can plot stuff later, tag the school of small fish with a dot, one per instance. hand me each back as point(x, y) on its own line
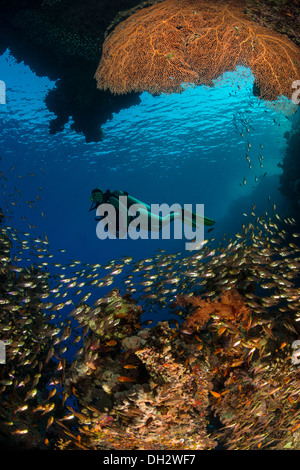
point(39, 306)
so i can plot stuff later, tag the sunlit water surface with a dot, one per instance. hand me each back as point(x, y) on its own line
point(214, 146)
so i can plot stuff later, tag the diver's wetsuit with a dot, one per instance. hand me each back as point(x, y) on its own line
point(112, 197)
point(154, 221)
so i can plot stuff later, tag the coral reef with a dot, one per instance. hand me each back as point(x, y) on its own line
point(80, 376)
point(259, 408)
point(231, 306)
point(194, 42)
point(161, 402)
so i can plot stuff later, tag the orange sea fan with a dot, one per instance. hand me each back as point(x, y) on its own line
point(194, 41)
point(230, 306)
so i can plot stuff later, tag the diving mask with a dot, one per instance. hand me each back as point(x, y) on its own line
point(97, 196)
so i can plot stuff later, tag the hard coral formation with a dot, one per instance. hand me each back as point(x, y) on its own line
point(164, 405)
point(150, 395)
point(195, 41)
point(130, 387)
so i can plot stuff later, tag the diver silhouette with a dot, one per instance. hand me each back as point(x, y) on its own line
point(98, 197)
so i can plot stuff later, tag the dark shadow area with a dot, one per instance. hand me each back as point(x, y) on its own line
point(62, 40)
point(290, 178)
point(262, 199)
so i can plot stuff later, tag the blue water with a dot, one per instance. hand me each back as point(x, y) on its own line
point(180, 148)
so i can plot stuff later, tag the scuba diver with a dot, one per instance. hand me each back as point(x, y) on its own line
point(152, 220)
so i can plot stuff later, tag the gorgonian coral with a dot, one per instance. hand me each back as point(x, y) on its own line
point(195, 41)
